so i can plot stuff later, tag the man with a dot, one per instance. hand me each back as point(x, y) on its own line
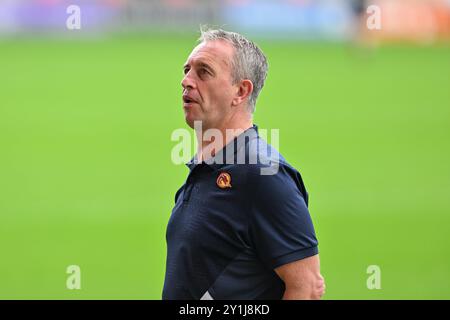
point(236, 231)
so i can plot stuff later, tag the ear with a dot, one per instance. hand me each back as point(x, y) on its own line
point(244, 90)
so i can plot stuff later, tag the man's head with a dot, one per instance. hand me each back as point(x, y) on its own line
point(223, 77)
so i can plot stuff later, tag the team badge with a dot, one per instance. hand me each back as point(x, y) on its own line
point(224, 180)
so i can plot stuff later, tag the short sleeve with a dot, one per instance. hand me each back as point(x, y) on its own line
point(281, 229)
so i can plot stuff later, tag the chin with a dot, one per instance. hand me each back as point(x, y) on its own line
point(190, 120)
point(190, 116)
point(190, 123)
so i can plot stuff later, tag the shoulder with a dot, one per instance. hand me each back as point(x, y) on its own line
point(271, 175)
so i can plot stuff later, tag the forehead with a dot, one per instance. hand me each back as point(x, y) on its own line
point(217, 53)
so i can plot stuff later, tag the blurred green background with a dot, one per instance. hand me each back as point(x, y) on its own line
point(86, 176)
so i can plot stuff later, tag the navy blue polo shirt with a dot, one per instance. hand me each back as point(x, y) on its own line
point(237, 217)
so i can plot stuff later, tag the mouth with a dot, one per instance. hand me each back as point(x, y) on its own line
point(188, 101)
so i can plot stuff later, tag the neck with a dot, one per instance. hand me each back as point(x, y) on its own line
point(212, 140)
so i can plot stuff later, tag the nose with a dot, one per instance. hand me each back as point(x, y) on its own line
point(188, 81)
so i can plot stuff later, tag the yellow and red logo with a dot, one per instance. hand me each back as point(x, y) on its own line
point(224, 180)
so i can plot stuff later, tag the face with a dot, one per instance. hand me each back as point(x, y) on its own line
point(207, 84)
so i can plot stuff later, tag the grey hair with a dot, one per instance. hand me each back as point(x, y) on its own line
point(249, 62)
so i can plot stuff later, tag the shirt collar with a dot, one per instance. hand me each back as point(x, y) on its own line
point(221, 158)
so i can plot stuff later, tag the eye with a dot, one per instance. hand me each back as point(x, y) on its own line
point(203, 71)
point(185, 70)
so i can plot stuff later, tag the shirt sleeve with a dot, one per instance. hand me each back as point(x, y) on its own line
point(281, 229)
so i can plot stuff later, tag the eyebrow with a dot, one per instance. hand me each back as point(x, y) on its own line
point(201, 64)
